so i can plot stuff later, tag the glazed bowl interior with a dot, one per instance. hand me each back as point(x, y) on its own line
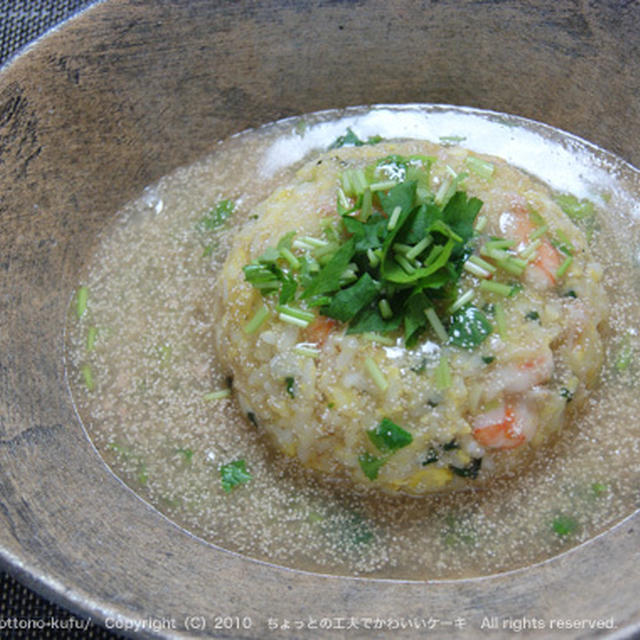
point(130, 90)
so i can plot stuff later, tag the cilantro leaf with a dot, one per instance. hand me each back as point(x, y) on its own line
point(469, 328)
point(328, 278)
point(402, 195)
point(460, 214)
point(370, 465)
point(349, 139)
point(217, 216)
point(348, 302)
point(234, 474)
point(388, 436)
point(369, 320)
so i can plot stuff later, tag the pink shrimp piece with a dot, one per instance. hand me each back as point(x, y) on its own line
point(318, 331)
point(522, 376)
point(506, 427)
point(516, 225)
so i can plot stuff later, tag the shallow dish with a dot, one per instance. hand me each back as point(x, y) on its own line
point(127, 92)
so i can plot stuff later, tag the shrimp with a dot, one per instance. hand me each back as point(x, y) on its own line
point(508, 426)
point(318, 331)
point(516, 377)
point(517, 225)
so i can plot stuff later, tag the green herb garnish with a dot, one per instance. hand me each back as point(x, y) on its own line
point(388, 436)
point(390, 261)
point(564, 525)
point(288, 383)
point(350, 139)
point(469, 328)
point(532, 315)
point(82, 298)
point(370, 465)
point(567, 394)
point(470, 471)
point(217, 216)
point(234, 474)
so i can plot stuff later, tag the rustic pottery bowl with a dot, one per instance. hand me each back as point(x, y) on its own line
point(130, 90)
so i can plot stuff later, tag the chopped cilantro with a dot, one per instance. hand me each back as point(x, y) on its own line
point(432, 456)
point(532, 315)
point(566, 394)
point(388, 436)
point(234, 474)
point(488, 359)
point(564, 525)
point(469, 328)
point(187, 454)
point(252, 419)
point(598, 489)
point(370, 465)
point(217, 216)
point(350, 139)
point(470, 471)
point(289, 382)
point(452, 445)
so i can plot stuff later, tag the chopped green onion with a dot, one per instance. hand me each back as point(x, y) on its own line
point(512, 265)
point(91, 338)
point(376, 337)
point(290, 258)
point(475, 270)
point(307, 242)
point(528, 252)
point(382, 186)
point(538, 233)
point(217, 395)
point(481, 223)
point(395, 216)
point(354, 182)
point(415, 251)
point(385, 309)
point(480, 167)
point(436, 325)
point(501, 321)
point(404, 263)
point(294, 312)
point(256, 321)
point(367, 205)
point(467, 296)
point(374, 260)
point(496, 287)
point(443, 374)
point(87, 376)
point(625, 355)
point(483, 264)
point(562, 269)
point(402, 248)
point(499, 243)
point(81, 301)
point(376, 375)
point(298, 322)
point(306, 349)
point(343, 201)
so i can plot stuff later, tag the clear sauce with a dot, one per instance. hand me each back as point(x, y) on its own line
point(152, 364)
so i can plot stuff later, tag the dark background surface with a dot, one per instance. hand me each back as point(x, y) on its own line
point(21, 22)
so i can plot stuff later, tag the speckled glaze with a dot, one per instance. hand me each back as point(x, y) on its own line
point(128, 91)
